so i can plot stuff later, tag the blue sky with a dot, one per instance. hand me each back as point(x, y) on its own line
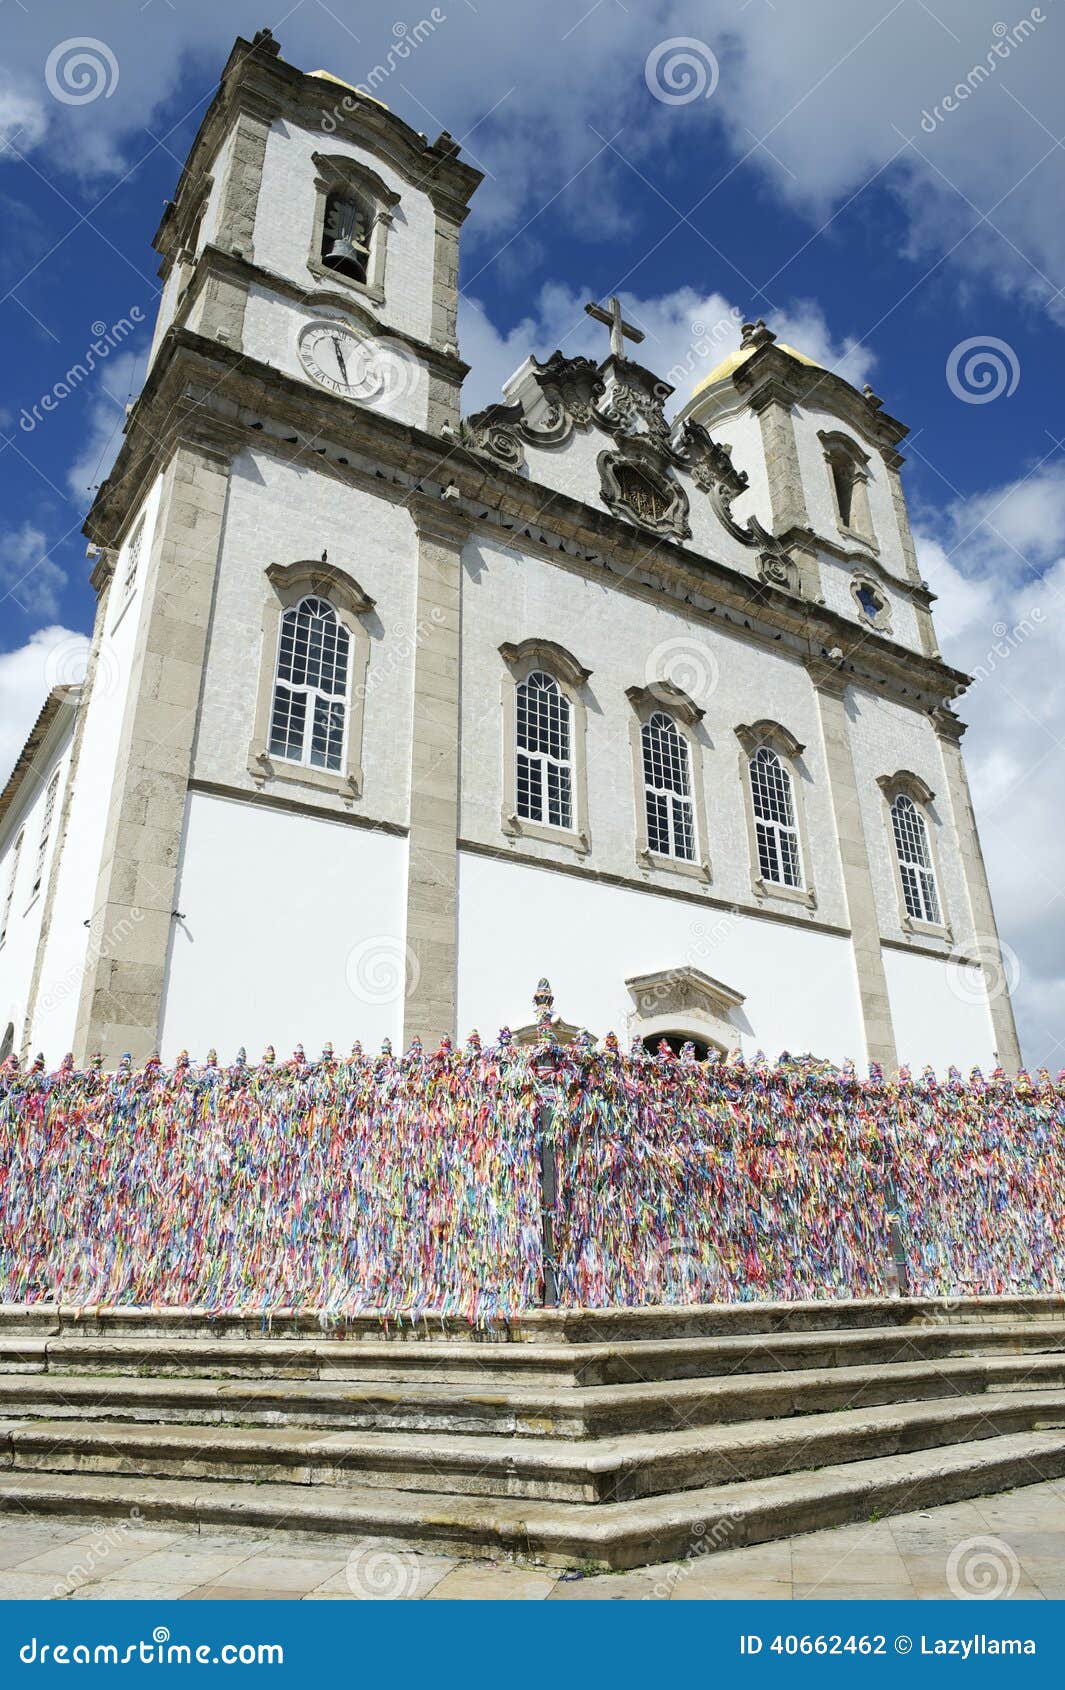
point(804, 167)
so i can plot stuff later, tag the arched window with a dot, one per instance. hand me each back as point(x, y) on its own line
point(915, 860)
point(776, 834)
point(667, 789)
point(308, 718)
point(846, 463)
point(346, 235)
point(544, 752)
point(9, 895)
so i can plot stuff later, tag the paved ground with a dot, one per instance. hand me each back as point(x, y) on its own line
point(1008, 1546)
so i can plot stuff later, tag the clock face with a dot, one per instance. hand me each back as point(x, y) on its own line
point(339, 359)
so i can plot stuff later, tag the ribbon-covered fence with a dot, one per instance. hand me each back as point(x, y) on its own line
point(431, 1183)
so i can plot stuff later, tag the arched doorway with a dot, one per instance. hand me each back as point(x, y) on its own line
point(676, 1042)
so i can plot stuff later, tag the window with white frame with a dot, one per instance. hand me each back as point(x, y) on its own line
point(776, 833)
point(544, 752)
point(133, 558)
point(667, 789)
point(9, 896)
point(915, 861)
point(309, 712)
point(46, 830)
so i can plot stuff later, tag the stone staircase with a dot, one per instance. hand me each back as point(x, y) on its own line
point(612, 1438)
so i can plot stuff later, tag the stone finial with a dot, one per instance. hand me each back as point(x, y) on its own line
point(756, 334)
point(263, 42)
point(873, 400)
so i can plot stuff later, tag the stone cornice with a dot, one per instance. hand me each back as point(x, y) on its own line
point(200, 390)
point(772, 376)
point(259, 82)
point(859, 558)
point(214, 262)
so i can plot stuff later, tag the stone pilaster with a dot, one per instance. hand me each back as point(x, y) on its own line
point(830, 685)
point(988, 946)
point(444, 394)
point(122, 991)
point(432, 872)
point(925, 628)
point(243, 180)
point(786, 496)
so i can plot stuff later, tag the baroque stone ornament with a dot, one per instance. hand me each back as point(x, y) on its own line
point(635, 483)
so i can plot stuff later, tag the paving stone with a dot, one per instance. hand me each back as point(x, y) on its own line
point(707, 1586)
point(396, 1577)
point(28, 1587)
point(486, 1583)
point(178, 1565)
point(291, 1572)
point(236, 1593)
point(643, 1585)
point(852, 1593)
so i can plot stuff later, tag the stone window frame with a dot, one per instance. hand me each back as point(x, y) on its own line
point(337, 173)
point(922, 796)
point(882, 620)
point(752, 736)
point(645, 701)
point(519, 661)
point(290, 583)
point(836, 445)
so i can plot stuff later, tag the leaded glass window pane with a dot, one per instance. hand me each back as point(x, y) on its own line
point(309, 713)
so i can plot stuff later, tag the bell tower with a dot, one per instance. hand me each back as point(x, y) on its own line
point(313, 230)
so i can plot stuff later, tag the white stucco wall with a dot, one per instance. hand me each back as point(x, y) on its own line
point(940, 1013)
point(285, 222)
point(278, 512)
point(272, 327)
point(292, 929)
point(517, 923)
point(63, 962)
point(25, 822)
point(887, 738)
point(626, 641)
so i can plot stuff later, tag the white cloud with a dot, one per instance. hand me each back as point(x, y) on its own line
point(1000, 574)
point(28, 576)
point(53, 656)
point(821, 98)
point(686, 334)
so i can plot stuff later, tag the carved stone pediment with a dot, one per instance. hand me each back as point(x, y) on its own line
point(572, 386)
point(632, 406)
point(635, 482)
point(496, 433)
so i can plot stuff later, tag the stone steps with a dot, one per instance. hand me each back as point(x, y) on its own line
point(617, 1535)
point(539, 1326)
point(506, 1363)
point(617, 1437)
point(602, 1470)
point(522, 1412)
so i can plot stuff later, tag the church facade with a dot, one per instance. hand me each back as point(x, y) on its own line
point(389, 712)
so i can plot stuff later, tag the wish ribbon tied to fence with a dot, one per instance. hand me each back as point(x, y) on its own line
point(431, 1183)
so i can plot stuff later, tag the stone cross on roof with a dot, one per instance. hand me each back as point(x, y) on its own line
point(620, 331)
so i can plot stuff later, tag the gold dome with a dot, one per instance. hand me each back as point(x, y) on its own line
point(740, 356)
point(327, 76)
